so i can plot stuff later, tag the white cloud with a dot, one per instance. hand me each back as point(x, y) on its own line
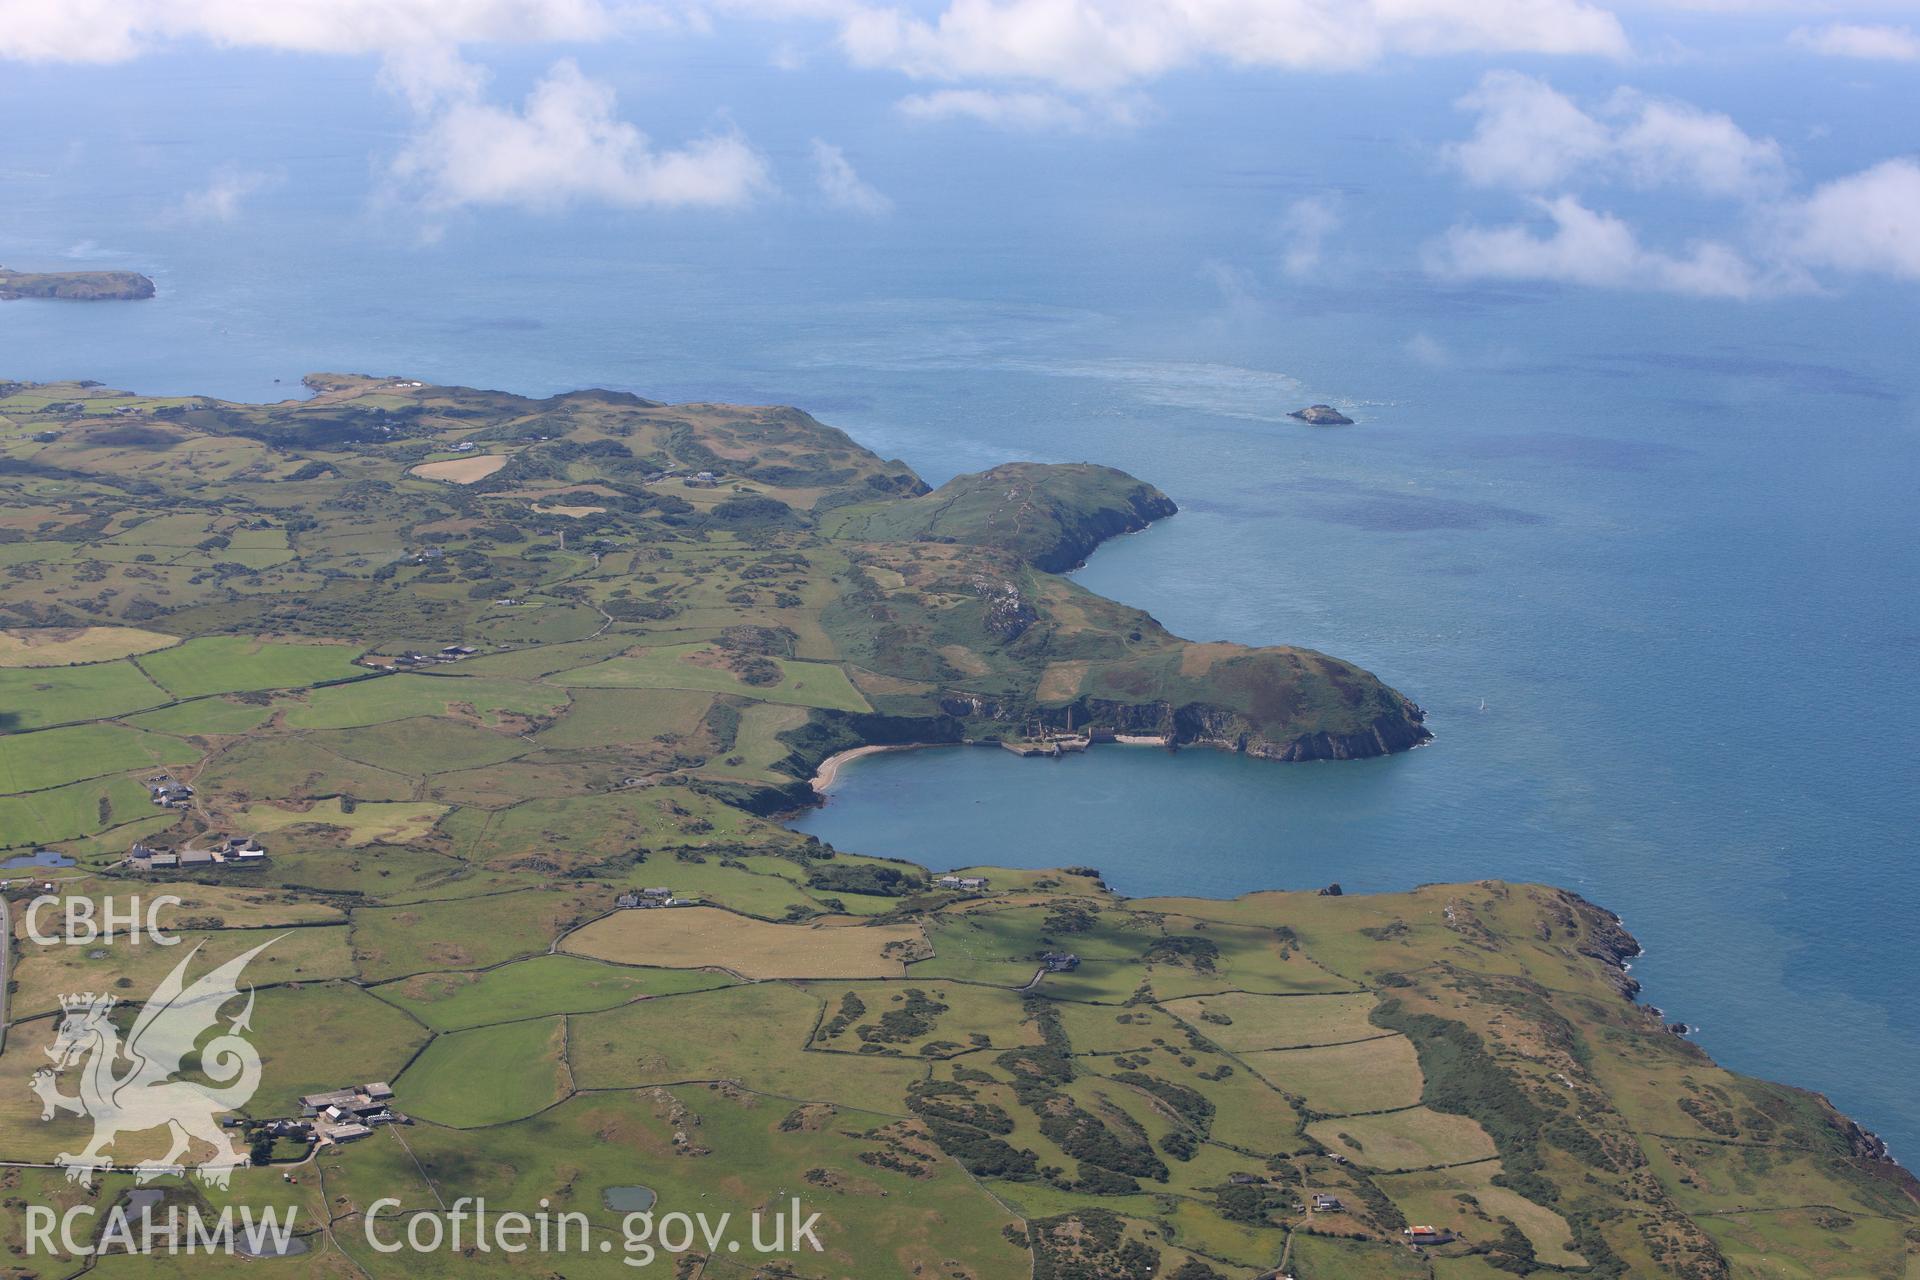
point(1528, 134)
point(1534, 139)
point(1083, 45)
point(1665, 143)
point(563, 146)
point(842, 187)
point(1096, 46)
point(1865, 222)
point(1007, 109)
point(1531, 137)
point(114, 30)
point(220, 199)
point(1306, 226)
point(1589, 248)
point(1857, 40)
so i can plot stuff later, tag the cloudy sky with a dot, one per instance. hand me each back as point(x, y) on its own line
point(1576, 151)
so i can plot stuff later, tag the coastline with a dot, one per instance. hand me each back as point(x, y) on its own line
point(829, 771)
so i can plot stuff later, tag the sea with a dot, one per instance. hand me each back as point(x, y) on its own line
point(1649, 562)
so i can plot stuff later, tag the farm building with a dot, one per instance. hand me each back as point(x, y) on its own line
point(240, 851)
point(363, 1100)
point(342, 1115)
point(962, 882)
point(169, 793)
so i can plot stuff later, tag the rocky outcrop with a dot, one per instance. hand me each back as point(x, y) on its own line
point(1863, 1144)
point(974, 706)
point(1605, 939)
point(1008, 614)
point(1322, 415)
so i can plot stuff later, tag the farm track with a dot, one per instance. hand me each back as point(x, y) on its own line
point(6, 952)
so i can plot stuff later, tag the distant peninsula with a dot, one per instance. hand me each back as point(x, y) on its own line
point(1322, 415)
point(74, 286)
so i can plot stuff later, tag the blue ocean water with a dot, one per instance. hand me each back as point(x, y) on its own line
point(1668, 545)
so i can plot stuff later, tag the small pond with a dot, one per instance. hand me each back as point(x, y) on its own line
point(38, 858)
point(629, 1199)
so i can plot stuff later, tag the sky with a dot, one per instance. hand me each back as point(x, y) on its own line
point(1574, 153)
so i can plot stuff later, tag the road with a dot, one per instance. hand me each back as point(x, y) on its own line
point(6, 949)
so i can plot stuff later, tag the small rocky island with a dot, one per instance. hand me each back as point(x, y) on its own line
point(1322, 415)
point(74, 286)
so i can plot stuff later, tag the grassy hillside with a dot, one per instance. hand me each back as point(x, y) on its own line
point(1050, 515)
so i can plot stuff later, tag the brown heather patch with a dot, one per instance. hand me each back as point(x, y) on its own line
point(1197, 660)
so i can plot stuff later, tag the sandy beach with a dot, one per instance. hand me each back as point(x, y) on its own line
point(830, 767)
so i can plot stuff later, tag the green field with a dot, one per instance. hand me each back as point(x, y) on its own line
point(403, 696)
point(34, 697)
point(807, 684)
point(52, 757)
point(205, 716)
point(229, 664)
point(724, 1035)
point(1247, 1023)
point(489, 1076)
point(632, 715)
point(1370, 1075)
point(68, 813)
point(466, 933)
point(425, 744)
point(530, 988)
point(326, 1036)
point(1417, 1138)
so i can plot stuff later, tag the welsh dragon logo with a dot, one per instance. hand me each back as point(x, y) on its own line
point(130, 1087)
